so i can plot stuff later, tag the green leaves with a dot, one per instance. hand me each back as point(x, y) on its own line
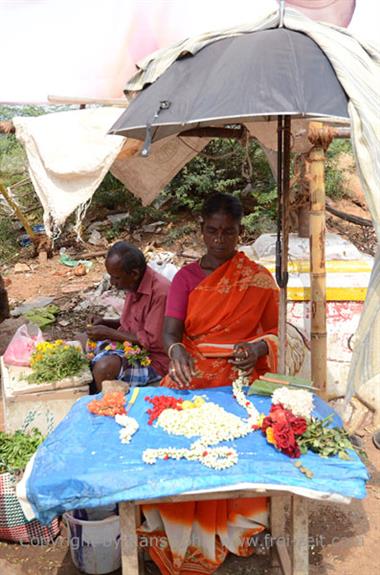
point(17, 448)
point(43, 316)
point(325, 440)
point(56, 364)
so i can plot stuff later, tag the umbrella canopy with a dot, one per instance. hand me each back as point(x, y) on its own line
point(238, 80)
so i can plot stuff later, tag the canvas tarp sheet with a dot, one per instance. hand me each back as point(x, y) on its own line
point(82, 463)
point(69, 153)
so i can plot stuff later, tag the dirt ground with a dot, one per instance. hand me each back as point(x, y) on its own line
point(349, 533)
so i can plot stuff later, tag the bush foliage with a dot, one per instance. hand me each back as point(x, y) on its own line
point(223, 166)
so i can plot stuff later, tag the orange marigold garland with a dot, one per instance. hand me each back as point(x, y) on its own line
point(112, 403)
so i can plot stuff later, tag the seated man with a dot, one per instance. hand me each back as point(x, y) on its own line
point(140, 323)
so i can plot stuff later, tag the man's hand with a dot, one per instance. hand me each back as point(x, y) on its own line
point(181, 368)
point(95, 320)
point(246, 354)
point(99, 332)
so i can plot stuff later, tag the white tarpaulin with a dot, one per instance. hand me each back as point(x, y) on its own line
point(69, 154)
point(87, 48)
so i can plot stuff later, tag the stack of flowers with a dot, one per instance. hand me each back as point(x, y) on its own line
point(135, 354)
point(298, 401)
point(282, 428)
point(203, 419)
point(112, 403)
point(159, 404)
point(53, 361)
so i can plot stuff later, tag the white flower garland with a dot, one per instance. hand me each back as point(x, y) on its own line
point(212, 424)
point(129, 427)
point(237, 389)
point(213, 457)
point(298, 401)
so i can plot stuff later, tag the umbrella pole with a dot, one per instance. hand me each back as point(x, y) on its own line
point(320, 138)
point(283, 173)
point(277, 504)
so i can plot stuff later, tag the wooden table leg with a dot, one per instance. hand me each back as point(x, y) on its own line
point(277, 528)
point(300, 536)
point(131, 563)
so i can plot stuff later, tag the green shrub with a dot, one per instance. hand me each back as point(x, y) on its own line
point(8, 239)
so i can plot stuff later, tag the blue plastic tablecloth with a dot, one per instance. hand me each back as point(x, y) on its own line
point(83, 463)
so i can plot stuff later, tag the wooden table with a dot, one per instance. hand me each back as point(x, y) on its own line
point(297, 563)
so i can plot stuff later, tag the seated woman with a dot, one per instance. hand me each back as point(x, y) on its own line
point(221, 317)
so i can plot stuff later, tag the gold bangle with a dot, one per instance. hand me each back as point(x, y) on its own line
point(171, 347)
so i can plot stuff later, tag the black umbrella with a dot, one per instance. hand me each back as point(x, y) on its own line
point(255, 76)
point(265, 76)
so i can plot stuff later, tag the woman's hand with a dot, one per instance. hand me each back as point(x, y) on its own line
point(181, 367)
point(246, 354)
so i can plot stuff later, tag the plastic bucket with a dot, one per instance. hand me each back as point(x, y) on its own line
point(94, 545)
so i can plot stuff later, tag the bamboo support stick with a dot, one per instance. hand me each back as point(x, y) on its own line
point(320, 138)
point(78, 101)
point(18, 212)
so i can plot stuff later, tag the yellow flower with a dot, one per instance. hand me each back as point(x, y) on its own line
point(187, 404)
point(198, 401)
point(270, 436)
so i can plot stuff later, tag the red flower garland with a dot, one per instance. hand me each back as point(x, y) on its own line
point(160, 403)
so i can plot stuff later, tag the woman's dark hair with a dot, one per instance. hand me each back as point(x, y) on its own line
point(131, 257)
point(223, 203)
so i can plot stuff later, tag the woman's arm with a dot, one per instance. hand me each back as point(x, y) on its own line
point(181, 363)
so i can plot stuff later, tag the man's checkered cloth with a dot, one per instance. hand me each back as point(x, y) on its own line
point(13, 524)
point(135, 375)
point(357, 65)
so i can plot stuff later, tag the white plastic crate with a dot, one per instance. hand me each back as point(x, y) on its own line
point(41, 406)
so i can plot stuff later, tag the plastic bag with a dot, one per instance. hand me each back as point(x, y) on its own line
point(22, 345)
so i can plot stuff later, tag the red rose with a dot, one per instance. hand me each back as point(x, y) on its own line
point(278, 414)
point(267, 422)
point(292, 451)
point(299, 425)
point(283, 436)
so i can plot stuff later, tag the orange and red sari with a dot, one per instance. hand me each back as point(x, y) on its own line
point(237, 303)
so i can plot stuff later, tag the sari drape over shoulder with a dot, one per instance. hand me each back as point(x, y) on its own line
point(237, 303)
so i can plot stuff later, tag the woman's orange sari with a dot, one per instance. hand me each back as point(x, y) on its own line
point(237, 303)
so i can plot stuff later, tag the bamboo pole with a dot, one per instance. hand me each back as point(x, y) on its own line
point(18, 212)
point(79, 101)
point(320, 138)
